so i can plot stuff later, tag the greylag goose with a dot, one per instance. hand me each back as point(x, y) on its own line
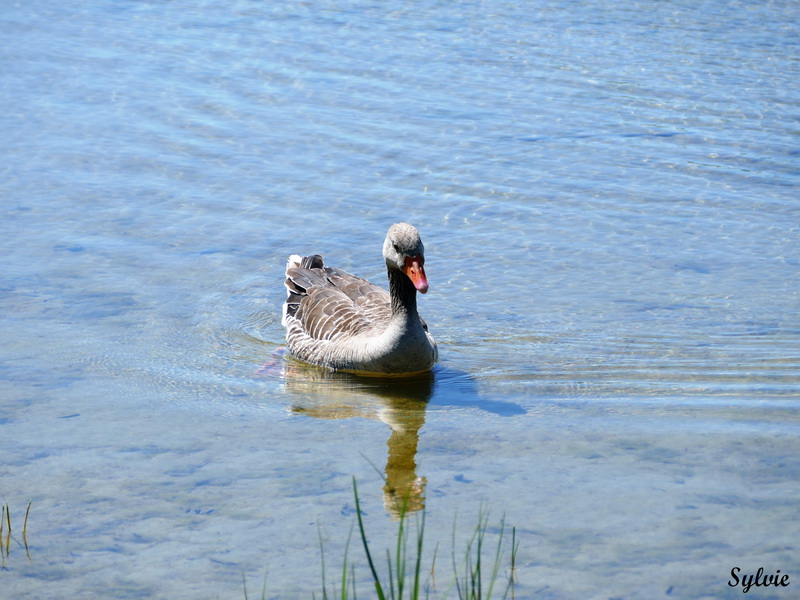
point(337, 320)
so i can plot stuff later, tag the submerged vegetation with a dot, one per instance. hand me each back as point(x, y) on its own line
point(5, 533)
point(474, 578)
point(400, 576)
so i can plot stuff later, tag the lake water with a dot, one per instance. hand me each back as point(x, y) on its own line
point(608, 196)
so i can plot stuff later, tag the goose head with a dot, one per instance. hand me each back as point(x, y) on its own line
point(403, 250)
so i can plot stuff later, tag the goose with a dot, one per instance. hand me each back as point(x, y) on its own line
point(339, 321)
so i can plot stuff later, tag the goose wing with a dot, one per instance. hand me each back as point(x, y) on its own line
point(326, 303)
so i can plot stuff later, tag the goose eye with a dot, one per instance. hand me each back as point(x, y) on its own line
point(396, 249)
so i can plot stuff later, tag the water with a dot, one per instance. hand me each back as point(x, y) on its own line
point(608, 198)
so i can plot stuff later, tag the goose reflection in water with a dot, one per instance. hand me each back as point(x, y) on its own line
point(400, 403)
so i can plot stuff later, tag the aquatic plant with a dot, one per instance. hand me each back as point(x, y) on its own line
point(5, 533)
point(263, 588)
point(402, 578)
point(473, 577)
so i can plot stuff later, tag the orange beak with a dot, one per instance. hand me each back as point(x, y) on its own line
point(416, 273)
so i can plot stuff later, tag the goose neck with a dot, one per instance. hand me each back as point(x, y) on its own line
point(403, 293)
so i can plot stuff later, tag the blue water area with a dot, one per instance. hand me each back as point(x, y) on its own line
point(608, 197)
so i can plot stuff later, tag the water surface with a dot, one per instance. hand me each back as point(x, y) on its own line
point(608, 200)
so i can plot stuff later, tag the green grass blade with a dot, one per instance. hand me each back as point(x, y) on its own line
point(322, 560)
point(359, 515)
point(497, 557)
point(399, 556)
point(264, 587)
point(418, 561)
point(391, 576)
point(344, 565)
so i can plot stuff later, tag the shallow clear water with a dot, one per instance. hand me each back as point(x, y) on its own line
point(608, 196)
